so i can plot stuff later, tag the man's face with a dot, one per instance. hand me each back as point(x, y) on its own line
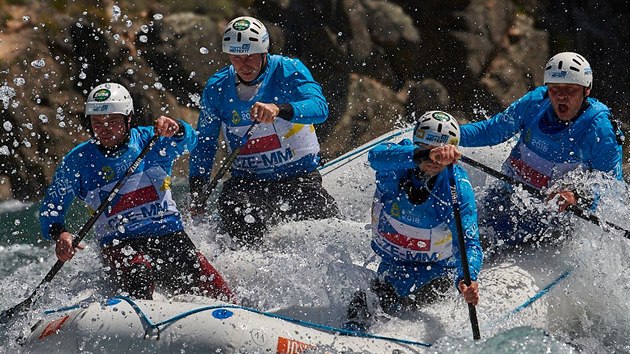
point(566, 99)
point(247, 66)
point(109, 129)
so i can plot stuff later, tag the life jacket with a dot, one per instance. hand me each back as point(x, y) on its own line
point(539, 158)
point(404, 231)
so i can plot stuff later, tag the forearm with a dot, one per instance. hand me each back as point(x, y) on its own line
point(392, 157)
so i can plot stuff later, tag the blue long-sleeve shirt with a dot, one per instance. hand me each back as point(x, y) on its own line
point(547, 149)
point(143, 207)
point(284, 81)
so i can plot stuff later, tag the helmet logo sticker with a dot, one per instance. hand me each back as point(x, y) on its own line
point(559, 74)
point(244, 48)
point(101, 108)
point(102, 94)
point(441, 117)
point(241, 25)
point(433, 138)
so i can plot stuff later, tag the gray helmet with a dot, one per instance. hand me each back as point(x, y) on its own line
point(436, 128)
point(245, 35)
point(568, 68)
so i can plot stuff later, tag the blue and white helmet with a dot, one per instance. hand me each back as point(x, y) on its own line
point(109, 98)
point(568, 68)
point(436, 128)
point(245, 35)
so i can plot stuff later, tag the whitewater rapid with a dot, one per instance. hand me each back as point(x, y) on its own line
point(308, 270)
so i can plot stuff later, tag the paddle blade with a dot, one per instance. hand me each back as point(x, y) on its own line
point(19, 308)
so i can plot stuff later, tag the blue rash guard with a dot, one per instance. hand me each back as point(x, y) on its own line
point(547, 149)
point(144, 206)
point(283, 149)
point(421, 236)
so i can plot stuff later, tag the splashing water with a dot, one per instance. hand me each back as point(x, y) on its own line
point(40, 63)
point(6, 95)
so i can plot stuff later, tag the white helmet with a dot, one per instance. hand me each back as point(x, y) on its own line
point(568, 68)
point(436, 128)
point(245, 35)
point(109, 98)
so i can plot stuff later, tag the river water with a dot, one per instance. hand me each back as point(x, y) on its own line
point(309, 270)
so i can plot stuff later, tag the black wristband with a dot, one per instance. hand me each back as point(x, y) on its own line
point(55, 231)
point(286, 111)
point(420, 155)
point(181, 131)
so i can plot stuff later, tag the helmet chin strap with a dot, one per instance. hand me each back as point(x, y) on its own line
point(263, 68)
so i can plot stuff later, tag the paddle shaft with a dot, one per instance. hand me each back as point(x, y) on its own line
point(227, 165)
point(579, 212)
point(26, 304)
point(472, 310)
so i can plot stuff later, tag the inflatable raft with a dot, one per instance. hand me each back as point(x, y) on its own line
point(123, 325)
point(512, 288)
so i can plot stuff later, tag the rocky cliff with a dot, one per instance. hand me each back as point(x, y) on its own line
point(378, 62)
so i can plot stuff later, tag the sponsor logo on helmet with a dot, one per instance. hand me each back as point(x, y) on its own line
point(101, 95)
point(559, 74)
point(241, 25)
point(100, 108)
point(441, 116)
point(244, 48)
point(429, 137)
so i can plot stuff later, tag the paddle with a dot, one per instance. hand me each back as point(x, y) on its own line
point(26, 304)
point(227, 165)
point(472, 311)
point(579, 212)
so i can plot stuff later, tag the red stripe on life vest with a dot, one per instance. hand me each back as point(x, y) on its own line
point(406, 242)
point(529, 174)
point(262, 144)
point(135, 198)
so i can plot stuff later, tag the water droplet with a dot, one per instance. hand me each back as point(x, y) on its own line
point(4, 150)
point(129, 71)
point(116, 13)
point(26, 18)
point(128, 23)
point(203, 50)
point(6, 94)
point(158, 85)
point(43, 118)
point(249, 219)
point(143, 39)
point(7, 126)
point(285, 207)
point(19, 81)
point(40, 63)
point(82, 75)
point(158, 16)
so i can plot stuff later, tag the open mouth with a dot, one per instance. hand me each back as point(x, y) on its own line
point(563, 108)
